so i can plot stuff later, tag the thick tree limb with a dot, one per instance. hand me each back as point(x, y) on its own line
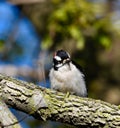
point(46, 104)
point(18, 2)
point(7, 119)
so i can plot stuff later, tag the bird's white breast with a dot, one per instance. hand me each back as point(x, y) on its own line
point(68, 79)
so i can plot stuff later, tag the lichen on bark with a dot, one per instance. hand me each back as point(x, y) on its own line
point(47, 104)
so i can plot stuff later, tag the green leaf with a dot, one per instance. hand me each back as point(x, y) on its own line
point(2, 45)
point(47, 42)
point(105, 41)
point(74, 32)
point(60, 15)
point(80, 43)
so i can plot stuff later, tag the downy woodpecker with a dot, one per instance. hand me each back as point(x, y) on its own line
point(65, 76)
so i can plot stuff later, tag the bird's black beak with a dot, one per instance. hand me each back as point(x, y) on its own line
point(67, 61)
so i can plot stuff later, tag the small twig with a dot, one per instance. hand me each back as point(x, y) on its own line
point(19, 2)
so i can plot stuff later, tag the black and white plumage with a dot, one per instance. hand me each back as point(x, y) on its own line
point(65, 76)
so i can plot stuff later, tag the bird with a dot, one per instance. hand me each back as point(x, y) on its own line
point(65, 76)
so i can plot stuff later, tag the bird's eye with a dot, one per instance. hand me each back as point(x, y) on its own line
point(56, 61)
point(59, 62)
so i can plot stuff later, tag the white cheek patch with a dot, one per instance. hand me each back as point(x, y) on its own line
point(57, 58)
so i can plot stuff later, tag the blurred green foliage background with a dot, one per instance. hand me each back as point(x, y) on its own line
point(89, 30)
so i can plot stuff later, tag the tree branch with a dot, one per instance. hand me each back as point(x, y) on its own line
point(46, 104)
point(23, 71)
point(19, 2)
point(7, 119)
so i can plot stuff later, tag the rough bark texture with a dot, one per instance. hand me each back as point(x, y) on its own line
point(43, 103)
point(7, 119)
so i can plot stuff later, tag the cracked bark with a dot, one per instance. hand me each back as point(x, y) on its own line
point(7, 118)
point(46, 104)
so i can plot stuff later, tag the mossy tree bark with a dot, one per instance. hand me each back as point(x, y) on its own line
point(46, 104)
point(6, 117)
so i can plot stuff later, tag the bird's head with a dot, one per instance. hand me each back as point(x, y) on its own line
point(60, 58)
